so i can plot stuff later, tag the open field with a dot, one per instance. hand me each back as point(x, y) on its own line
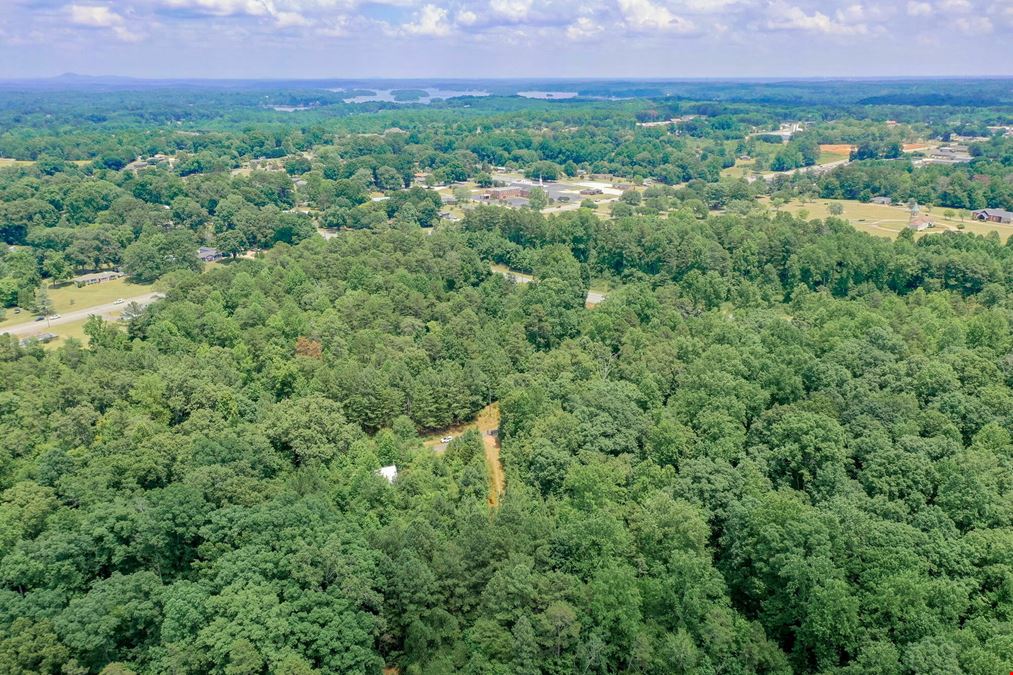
point(74, 329)
point(834, 152)
point(69, 297)
point(829, 154)
point(837, 148)
point(71, 330)
point(5, 163)
point(882, 220)
point(109, 310)
point(742, 168)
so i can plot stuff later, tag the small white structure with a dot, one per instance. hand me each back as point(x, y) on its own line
point(388, 472)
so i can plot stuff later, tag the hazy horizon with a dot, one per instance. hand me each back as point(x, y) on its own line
point(505, 39)
point(772, 78)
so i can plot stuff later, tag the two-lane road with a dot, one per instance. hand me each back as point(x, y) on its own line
point(105, 311)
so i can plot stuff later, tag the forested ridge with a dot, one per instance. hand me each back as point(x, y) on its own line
point(778, 446)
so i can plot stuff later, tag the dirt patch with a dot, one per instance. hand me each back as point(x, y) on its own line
point(433, 442)
point(915, 147)
point(486, 422)
point(837, 148)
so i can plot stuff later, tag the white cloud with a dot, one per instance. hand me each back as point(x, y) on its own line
point(955, 6)
point(851, 14)
point(974, 25)
point(284, 13)
point(644, 15)
point(100, 16)
point(223, 7)
point(1002, 11)
point(289, 19)
point(710, 6)
point(788, 17)
point(582, 29)
point(515, 10)
point(529, 22)
point(430, 21)
point(335, 27)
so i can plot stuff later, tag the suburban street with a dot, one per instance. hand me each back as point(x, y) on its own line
point(105, 311)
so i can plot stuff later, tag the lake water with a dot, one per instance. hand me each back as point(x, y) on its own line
point(554, 95)
point(432, 94)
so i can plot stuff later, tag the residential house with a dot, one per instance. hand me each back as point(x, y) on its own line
point(921, 223)
point(993, 216)
point(882, 201)
point(97, 277)
point(388, 472)
point(208, 254)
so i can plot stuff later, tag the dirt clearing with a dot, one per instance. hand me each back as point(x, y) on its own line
point(837, 148)
point(487, 423)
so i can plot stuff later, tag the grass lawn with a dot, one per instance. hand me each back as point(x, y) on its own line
point(742, 168)
point(73, 330)
point(69, 297)
point(66, 331)
point(5, 163)
point(831, 157)
point(888, 221)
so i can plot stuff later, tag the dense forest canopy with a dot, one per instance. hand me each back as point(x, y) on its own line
point(778, 445)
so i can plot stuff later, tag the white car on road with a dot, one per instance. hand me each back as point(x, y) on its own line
point(446, 439)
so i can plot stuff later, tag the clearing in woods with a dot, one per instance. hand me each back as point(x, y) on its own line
point(487, 422)
point(834, 152)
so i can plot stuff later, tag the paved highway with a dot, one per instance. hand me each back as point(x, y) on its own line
point(105, 311)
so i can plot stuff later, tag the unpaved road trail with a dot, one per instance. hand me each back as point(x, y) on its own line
point(488, 424)
point(591, 300)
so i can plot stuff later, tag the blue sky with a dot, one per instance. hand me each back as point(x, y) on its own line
point(505, 38)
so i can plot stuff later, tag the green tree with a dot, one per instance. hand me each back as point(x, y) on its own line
point(538, 198)
point(151, 257)
point(42, 303)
